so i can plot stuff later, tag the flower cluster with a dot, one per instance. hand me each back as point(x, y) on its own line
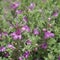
point(29, 30)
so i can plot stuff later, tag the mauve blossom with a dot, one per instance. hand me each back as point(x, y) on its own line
point(32, 6)
point(58, 57)
point(0, 34)
point(20, 58)
point(48, 34)
point(19, 11)
point(36, 32)
point(6, 54)
point(5, 33)
point(16, 35)
point(10, 46)
point(15, 5)
point(44, 45)
point(18, 32)
point(26, 54)
point(25, 28)
point(55, 14)
point(25, 19)
point(2, 49)
point(28, 42)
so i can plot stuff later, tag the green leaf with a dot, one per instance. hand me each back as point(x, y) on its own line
point(50, 56)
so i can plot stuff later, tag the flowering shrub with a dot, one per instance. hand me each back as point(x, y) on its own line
point(29, 30)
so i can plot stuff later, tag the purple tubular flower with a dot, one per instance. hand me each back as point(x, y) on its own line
point(5, 33)
point(10, 46)
point(26, 28)
point(32, 6)
point(6, 54)
point(44, 46)
point(58, 57)
point(48, 34)
point(18, 32)
point(14, 5)
point(20, 58)
point(19, 11)
point(55, 14)
point(16, 35)
point(0, 34)
point(26, 54)
point(28, 42)
point(2, 49)
point(25, 19)
point(36, 32)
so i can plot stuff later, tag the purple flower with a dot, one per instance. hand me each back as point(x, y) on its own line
point(16, 35)
point(32, 6)
point(44, 45)
point(48, 34)
point(0, 34)
point(59, 58)
point(28, 42)
point(19, 11)
point(2, 49)
point(36, 32)
point(55, 14)
point(10, 46)
point(14, 5)
point(5, 33)
point(6, 54)
point(21, 58)
point(18, 32)
point(25, 19)
point(26, 54)
point(26, 28)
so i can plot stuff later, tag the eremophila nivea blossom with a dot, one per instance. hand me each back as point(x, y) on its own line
point(55, 14)
point(28, 42)
point(16, 35)
point(5, 33)
point(25, 19)
point(20, 58)
point(14, 5)
point(32, 6)
point(43, 45)
point(6, 54)
point(26, 54)
point(58, 57)
point(26, 28)
point(2, 49)
point(48, 34)
point(10, 46)
point(19, 11)
point(36, 31)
